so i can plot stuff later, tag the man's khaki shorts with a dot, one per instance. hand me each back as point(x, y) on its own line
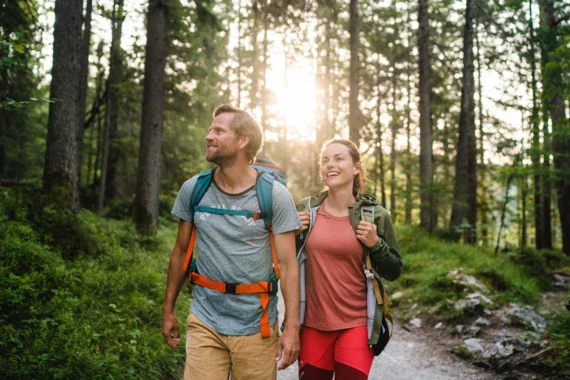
point(212, 356)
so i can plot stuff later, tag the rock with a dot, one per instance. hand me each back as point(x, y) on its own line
point(413, 325)
point(458, 277)
point(487, 312)
point(499, 350)
point(438, 326)
point(524, 316)
point(483, 322)
point(397, 295)
point(434, 309)
point(505, 321)
point(472, 301)
point(474, 346)
point(416, 322)
point(467, 331)
point(560, 281)
point(413, 306)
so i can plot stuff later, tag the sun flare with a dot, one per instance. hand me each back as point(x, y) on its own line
point(296, 96)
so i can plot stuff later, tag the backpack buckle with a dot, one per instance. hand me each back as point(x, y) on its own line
point(231, 288)
point(369, 275)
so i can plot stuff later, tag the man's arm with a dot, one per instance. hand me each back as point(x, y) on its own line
point(174, 284)
point(289, 341)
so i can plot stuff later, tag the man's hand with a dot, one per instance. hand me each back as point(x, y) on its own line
point(288, 347)
point(170, 329)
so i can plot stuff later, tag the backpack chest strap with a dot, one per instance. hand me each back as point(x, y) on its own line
point(222, 211)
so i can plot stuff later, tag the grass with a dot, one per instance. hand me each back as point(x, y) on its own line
point(428, 260)
point(85, 307)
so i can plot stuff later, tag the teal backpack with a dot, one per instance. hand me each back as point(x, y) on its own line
point(264, 187)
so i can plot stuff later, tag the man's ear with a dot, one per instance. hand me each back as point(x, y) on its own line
point(242, 142)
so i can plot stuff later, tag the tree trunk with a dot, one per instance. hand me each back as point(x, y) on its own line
point(554, 91)
point(254, 101)
point(60, 174)
point(264, 75)
point(380, 155)
point(239, 52)
point(148, 177)
point(354, 110)
point(503, 213)
point(115, 78)
point(484, 204)
point(83, 78)
point(535, 150)
point(465, 190)
point(426, 171)
point(394, 128)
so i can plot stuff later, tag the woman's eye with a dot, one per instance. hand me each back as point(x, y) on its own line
point(339, 158)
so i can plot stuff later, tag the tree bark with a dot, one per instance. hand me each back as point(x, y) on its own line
point(394, 128)
point(60, 169)
point(148, 178)
point(554, 91)
point(115, 78)
point(83, 77)
point(465, 191)
point(426, 170)
point(380, 155)
point(354, 110)
point(503, 213)
point(535, 150)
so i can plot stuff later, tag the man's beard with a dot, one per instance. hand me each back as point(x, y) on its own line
point(220, 159)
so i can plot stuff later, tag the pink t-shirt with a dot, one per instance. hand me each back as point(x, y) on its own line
point(335, 282)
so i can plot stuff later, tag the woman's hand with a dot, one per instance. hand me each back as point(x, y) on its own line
point(305, 218)
point(366, 233)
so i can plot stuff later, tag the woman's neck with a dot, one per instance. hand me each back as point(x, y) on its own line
point(338, 200)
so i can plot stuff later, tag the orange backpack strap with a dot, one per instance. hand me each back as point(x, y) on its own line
point(190, 250)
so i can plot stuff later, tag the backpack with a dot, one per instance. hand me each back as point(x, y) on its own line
point(367, 215)
point(264, 188)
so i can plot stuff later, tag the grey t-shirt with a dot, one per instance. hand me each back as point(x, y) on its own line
point(234, 249)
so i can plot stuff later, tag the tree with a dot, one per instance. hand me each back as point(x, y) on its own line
point(426, 173)
point(354, 112)
point(83, 79)
point(146, 199)
point(60, 171)
point(465, 189)
point(554, 95)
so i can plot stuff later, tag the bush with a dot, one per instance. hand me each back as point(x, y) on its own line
point(95, 316)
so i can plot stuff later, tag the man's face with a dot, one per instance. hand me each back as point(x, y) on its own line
point(222, 142)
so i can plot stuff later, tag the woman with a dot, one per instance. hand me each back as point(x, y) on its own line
point(333, 245)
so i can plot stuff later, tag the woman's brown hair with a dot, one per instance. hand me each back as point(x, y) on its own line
point(358, 181)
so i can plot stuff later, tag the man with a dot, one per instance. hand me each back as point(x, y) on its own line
point(224, 333)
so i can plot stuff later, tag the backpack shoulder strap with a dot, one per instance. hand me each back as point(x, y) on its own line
point(200, 188)
point(264, 187)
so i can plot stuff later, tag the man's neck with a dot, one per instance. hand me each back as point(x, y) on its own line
point(236, 177)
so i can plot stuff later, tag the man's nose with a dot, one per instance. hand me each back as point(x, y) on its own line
point(209, 136)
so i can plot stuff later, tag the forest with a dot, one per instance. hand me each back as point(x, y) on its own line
point(459, 107)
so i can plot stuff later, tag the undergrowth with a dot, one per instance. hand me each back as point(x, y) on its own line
point(428, 260)
point(80, 296)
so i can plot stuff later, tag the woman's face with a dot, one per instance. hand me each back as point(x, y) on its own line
point(337, 168)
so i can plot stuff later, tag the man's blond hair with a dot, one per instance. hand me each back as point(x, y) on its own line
point(244, 124)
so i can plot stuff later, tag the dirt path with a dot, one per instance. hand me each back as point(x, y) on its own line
point(411, 356)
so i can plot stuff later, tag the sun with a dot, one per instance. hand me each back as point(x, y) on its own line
point(296, 96)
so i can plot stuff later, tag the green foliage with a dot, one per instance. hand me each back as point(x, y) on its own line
point(428, 260)
point(559, 333)
point(96, 316)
